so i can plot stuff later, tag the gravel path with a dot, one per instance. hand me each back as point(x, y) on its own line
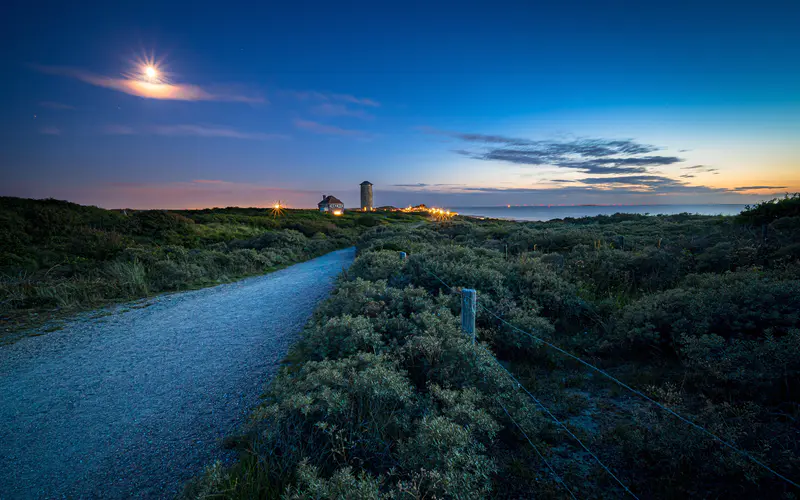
point(132, 401)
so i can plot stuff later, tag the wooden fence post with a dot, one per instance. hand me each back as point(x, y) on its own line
point(469, 306)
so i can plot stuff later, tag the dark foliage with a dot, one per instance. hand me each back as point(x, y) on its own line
point(57, 256)
point(383, 397)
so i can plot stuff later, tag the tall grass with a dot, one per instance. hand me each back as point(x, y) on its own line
point(57, 257)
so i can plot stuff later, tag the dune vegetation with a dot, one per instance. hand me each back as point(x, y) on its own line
point(384, 397)
point(58, 257)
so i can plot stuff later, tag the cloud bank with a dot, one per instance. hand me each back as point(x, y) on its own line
point(593, 156)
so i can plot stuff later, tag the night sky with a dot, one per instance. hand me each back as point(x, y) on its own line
point(450, 103)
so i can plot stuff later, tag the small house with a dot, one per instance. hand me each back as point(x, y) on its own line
point(331, 204)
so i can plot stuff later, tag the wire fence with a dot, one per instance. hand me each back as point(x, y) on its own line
point(472, 331)
point(536, 449)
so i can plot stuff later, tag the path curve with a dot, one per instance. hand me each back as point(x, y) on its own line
point(132, 402)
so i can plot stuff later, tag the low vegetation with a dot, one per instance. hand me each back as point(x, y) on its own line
point(58, 257)
point(384, 397)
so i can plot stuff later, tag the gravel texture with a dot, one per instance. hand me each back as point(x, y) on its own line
point(133, 400)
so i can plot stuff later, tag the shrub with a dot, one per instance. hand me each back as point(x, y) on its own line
point(62, 247)
point(742, 305)
point(381, 265)
point(341, 336)
point(768, 211)
point(458, 464)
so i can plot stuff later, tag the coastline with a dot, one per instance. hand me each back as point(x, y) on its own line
point(556, 212)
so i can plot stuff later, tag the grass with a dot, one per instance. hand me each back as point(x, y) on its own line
point(58, 258)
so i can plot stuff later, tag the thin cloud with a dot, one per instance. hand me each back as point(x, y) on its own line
point(321, 128)
point(210, 131)
point(313, 95)
point(50, 131)
point(198, 193)
point(701, 168)
point(687, 176)
point(653, 184)
point(640, 180)
point(55, 105)
point(752, 188)
point(165, 91)
point(191, 130)
point(330, 109)
point(677, 189)
point(422, 185)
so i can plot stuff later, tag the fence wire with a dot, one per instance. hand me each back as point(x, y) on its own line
point(625, 386)
point(552, 471)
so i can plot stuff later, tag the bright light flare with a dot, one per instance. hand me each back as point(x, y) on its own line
point(337, 212)
point(441, 214)
point(278, 209)
point(146, 69)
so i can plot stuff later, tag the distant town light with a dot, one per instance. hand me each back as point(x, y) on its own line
point(277, 209)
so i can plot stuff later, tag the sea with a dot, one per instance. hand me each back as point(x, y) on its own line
point(550, 212)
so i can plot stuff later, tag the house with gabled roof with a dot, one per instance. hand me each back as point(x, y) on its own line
point(331, 204)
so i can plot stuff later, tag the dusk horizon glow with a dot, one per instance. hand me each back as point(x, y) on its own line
point(448, 105)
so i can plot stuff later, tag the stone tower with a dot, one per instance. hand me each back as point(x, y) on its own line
point(366, 196)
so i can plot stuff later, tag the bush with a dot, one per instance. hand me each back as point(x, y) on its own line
point(384, 397)
point(58, 247)
point(742, 305)
point(768, 211)
point(382, 265)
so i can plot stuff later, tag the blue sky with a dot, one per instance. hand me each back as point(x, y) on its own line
point(453, 103)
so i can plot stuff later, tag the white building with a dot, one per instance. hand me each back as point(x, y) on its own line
point(331, 204)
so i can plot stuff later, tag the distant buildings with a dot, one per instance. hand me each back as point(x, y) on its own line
point(331, 204)
point(366, 196)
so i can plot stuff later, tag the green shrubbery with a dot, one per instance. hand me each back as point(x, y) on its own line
point(59, 256)
point(383, 397)
point(770, 211)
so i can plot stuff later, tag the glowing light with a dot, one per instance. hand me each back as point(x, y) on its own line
point(277, 209)
point(147, 70)
point(441, 214)
point(337, 212)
